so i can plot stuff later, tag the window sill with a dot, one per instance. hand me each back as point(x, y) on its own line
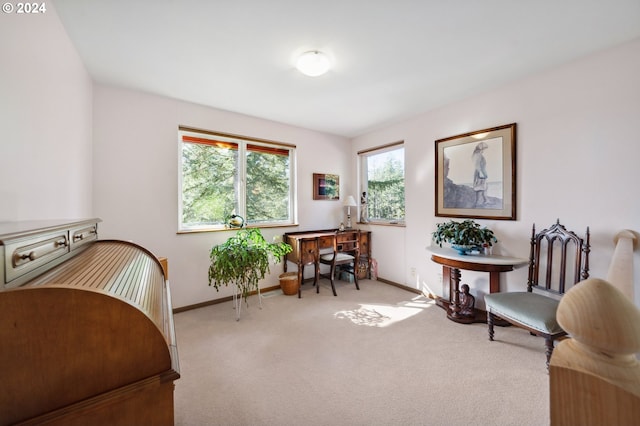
point(396, 224)
point(204, 230)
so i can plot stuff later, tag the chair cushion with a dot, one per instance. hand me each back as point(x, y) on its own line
point(339, 257)
point(530, 309)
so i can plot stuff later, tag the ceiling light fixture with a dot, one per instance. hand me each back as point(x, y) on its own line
point(313, 63)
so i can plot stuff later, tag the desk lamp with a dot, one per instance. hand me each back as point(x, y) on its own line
point(348, 203)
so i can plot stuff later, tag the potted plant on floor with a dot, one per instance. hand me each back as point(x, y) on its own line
point(464, 236)
point(242, 261)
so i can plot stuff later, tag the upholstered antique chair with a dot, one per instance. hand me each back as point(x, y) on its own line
point(344, 250)
point(558, 260)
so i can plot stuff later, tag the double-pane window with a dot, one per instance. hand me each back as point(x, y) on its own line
point(222, 175)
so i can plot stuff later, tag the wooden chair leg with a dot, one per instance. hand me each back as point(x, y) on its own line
point(316, 274)
point(355, 276)
point(490, 319)
point(333, 272)
point(548, 342)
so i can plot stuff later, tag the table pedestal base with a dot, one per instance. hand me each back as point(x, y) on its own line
point(451, 266)
point(480, 315)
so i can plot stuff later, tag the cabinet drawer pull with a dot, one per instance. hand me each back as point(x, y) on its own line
point(31, 256)
point(85, 233)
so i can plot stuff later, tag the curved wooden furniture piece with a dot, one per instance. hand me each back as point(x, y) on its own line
point(89, 341)
point(595, 375)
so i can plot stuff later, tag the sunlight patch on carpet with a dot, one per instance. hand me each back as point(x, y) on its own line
point(376, 315)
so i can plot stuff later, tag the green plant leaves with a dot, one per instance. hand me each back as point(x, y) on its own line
point(243, 260)
point(465, 233)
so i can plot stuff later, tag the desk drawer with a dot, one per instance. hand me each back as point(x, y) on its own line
point(24, 256)
point(82, 235)
point(29, 248)
point(348, 240)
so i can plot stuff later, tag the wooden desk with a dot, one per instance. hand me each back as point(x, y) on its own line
point(306, 248)
point(305, 251)
point(452, 262)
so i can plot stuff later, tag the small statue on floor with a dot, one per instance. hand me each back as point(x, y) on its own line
point(467, 302)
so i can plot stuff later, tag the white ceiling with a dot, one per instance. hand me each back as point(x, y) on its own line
point(392, 59)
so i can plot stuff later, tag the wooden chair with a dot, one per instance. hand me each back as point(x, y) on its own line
point(558, 260)
point(344, 249)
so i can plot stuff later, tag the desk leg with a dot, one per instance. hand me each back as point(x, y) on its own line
point(300, 274)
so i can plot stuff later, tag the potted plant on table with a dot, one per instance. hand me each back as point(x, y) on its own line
point(464, 236)
point(242, 261)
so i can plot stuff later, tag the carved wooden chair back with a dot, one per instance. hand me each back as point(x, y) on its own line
point(558, 260)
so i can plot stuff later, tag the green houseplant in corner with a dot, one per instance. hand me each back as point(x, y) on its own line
point(464, 236)
point(242, 261)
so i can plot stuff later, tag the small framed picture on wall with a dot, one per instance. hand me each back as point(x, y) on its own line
point(326, 186)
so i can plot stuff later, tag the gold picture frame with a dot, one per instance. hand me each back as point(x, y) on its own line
point(326, 186)
point(476, 174)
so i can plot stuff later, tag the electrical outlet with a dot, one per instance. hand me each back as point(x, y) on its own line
point(413, 272)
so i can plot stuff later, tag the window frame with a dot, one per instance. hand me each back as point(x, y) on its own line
point(363, 177)
point(242, 142)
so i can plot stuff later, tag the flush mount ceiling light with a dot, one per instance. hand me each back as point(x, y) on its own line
point(313, 63)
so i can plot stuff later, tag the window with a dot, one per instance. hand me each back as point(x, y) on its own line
point(382, 177)
point(222, 175)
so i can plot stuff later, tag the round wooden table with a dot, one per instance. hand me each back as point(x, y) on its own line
point(452, 263)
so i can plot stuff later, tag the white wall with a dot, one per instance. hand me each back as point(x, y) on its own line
point(45, 118)
point(578, 147)
point(577, 158)
point(136, 179)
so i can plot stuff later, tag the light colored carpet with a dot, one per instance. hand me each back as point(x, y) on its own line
point(378, 356)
